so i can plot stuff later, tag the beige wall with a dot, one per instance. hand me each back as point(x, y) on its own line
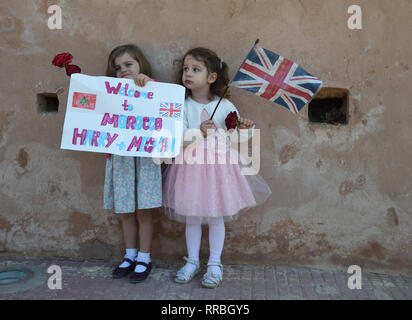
point(341, 195)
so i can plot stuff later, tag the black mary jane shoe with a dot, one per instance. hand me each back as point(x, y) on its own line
point(122, 272)
point(140, 276)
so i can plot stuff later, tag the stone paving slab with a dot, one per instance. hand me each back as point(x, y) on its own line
point(91, 280)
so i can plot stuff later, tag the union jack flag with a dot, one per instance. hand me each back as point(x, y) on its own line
point(170, 109)
point(276, 79)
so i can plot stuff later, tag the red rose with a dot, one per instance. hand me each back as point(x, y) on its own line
point(62, 59)
point(72, 68)
point(232, 120)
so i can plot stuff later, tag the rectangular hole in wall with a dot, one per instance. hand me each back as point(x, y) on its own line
point(330, 106)
point(47, 103)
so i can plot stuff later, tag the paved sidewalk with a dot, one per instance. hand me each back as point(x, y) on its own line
point(89, 280)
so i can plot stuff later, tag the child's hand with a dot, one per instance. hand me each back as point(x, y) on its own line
point(245, 123)
point(142, 79)
point(205, 126)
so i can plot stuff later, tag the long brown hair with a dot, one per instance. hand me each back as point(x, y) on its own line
point(135, 53)
point(213, 64)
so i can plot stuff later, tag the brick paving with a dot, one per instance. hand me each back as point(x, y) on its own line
point(91, 280)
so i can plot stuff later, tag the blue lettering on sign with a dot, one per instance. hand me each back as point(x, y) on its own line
point(139, 122)
point(89, 137)
point(102, 139)
point(122, 121)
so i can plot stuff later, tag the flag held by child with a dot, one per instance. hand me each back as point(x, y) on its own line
point(276, 79)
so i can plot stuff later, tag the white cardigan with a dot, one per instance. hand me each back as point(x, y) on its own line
point(193, 110)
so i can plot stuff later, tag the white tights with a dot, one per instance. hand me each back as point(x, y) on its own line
point(216, 240)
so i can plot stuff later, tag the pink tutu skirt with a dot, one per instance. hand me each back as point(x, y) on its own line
point(202, 192)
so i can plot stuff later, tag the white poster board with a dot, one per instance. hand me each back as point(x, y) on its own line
point(113, 115)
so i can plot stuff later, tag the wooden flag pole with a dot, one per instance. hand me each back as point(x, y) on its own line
point(227, 87)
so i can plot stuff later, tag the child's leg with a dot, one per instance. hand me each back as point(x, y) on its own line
point(145, 229)
point(213, 276)
point(129, 226)
point(193, 238)
point(192, 267)
point(216, 241)
point(145, 237)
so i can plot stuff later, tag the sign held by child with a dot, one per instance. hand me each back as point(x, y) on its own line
point(113, 115)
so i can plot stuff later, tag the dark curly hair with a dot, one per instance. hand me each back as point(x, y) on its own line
point(213, 64)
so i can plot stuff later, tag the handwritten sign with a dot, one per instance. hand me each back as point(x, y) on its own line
point(113, 115)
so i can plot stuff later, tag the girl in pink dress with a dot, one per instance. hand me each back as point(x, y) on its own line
point(204, 185)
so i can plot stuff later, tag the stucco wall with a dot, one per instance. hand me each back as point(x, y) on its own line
point(341, 194)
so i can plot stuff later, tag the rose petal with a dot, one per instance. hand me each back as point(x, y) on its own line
point(72, 68)
point(61, 59)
